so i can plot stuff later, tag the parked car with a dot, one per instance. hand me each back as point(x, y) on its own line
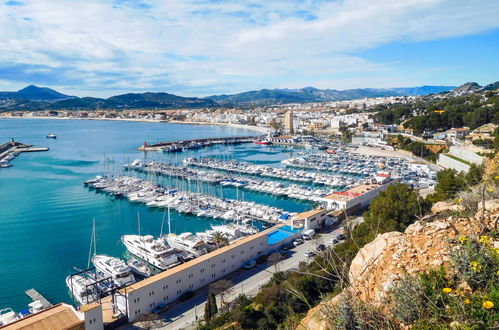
point(262, 259)
point(249, 264)
point(286, 247)
point(308, 234)
point(310, 254)
point(321, 247)
point(186, 295)
point(297, 242)
point(160, 308)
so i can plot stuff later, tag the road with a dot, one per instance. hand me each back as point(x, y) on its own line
point(183, 315)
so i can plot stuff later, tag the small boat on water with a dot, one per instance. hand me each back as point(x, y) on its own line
point(263, 142)
point(138, 267)
point(52, 136)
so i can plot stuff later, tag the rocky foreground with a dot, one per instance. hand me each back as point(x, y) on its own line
point(424, 245)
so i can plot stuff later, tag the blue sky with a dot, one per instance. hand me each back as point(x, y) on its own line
point(203, 47)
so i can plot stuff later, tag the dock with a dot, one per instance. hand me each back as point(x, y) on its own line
point(13, 148)
point(36, 296)
point(205, 141)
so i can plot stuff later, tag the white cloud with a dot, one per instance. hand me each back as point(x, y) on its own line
point(203, 47)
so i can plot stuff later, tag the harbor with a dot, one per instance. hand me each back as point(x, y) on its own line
point(183, 145)
point(11, 149)
point(177, 210)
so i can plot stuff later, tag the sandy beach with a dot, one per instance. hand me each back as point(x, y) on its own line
point(262, 130)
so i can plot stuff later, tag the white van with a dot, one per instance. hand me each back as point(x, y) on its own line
point(308, 234)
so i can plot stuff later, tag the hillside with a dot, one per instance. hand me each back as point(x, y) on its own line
point(311, 94)
point(42, 98)
point(35, 93)
point(382, 266)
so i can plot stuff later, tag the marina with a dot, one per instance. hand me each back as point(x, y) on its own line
point(10, 150)
point(306, 193)
point(174, 211)
point(201, 205)
point(183, 145)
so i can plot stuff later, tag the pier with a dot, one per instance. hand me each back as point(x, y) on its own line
point(36, 296)
point(196, 142)
point(10, 149)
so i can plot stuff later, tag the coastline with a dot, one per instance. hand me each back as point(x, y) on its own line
point(263, 130)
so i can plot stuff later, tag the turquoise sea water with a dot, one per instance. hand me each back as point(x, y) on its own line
point(46, 213)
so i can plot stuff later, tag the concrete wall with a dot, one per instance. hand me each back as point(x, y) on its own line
point(93, 318)
point(467, 155)
point(447, 162)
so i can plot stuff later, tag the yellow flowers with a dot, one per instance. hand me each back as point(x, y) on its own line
point(491, 189)
point(463, 240)
point(476, 266)
point(467, 301)
point(459, 200)
point(446, 290)
point(487, 304)
point(485, 240)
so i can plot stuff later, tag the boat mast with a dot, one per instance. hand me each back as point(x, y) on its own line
point(92, 242)
point(162, 223)
point(169, 222)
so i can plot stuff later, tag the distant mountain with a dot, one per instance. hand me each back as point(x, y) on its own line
point(42, 98)
point(37, 98)
point(468, 87)
point(312, 94)
point(35, 93)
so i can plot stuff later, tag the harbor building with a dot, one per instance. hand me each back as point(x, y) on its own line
point(60, 316)
point(288, 122)
point(313, 219)
point(356, 197)
point(141, 297)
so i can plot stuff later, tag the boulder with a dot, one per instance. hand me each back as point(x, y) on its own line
point(440, 207)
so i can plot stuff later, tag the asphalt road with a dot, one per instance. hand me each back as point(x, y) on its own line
point(183, 315)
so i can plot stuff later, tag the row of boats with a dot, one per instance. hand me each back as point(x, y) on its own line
point(193, 174)
point(235, 166)
point(4, 162)
point(201, 205)
point(193, 145)
point(343, 161)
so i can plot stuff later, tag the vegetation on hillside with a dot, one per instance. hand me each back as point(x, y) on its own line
point(282, 302)
point(471, 110)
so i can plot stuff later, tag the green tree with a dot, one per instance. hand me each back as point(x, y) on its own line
point(208, 308)
point(449, 183)
point(220, 239)
point(395, 209)
point(474, 175)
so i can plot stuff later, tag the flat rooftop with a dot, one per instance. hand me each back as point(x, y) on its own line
point(352, 193)
point(307, 214)
point(60, 316)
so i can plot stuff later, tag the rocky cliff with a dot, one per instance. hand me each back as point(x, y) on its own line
point(423, 246)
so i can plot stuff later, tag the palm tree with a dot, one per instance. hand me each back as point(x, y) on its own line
point(219, 238)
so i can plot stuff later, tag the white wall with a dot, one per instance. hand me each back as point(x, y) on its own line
point(200, 274)
point(447, 162)
point(467, 155)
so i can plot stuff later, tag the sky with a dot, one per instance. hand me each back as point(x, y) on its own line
point(204, 47)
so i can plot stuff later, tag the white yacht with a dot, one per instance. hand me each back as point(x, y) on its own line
point(82, 289)
point(232, 230)
point(52, 136)
point(7, 315)
point(187, 242)
point(138, 267)
point(117, 269)
point(155, 252)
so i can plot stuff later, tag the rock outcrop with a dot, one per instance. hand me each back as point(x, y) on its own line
point(390, 256)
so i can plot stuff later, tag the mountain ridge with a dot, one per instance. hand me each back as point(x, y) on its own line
point(42, 98)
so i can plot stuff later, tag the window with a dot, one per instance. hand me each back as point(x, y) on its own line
point(202, 270)
point(179, 280)
point(251, 248)
point(165, 287)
